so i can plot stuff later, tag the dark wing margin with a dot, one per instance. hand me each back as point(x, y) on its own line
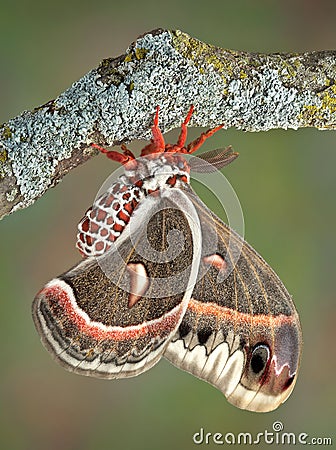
point(113, 316)
point(241, 331)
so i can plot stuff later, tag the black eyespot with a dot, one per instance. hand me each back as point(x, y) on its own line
point(203, 335)
point(259, 358)
point(184, 329)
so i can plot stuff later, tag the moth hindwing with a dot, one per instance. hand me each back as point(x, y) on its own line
point(163, 275)
point(241, 331)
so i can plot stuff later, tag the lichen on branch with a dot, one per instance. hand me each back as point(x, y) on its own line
point(115, 102)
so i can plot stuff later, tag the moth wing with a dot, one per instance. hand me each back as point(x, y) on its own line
point(113, 316)
point(241, 332)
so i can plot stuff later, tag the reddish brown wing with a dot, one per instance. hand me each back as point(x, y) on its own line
point(241, 331)
point(112, 316)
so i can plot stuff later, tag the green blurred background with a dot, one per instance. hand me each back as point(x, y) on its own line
point(286, 184)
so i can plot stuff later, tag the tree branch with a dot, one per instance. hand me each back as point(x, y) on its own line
point(116, 101)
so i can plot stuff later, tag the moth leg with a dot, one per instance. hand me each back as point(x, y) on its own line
point(196, 144)
point(115, 156)
point(157, 144)
point(127, 151)
point(183, 135)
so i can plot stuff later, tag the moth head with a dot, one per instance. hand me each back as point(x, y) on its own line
point(271, 364)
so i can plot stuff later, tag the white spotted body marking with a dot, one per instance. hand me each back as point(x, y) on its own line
point(104, 222)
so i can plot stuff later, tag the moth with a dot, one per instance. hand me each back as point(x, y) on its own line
point(162, 275)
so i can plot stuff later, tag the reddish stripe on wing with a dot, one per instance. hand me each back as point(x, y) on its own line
point(221, 312)
point(158, 327)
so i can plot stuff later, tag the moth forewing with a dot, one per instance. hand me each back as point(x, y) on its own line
point(85, 317)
